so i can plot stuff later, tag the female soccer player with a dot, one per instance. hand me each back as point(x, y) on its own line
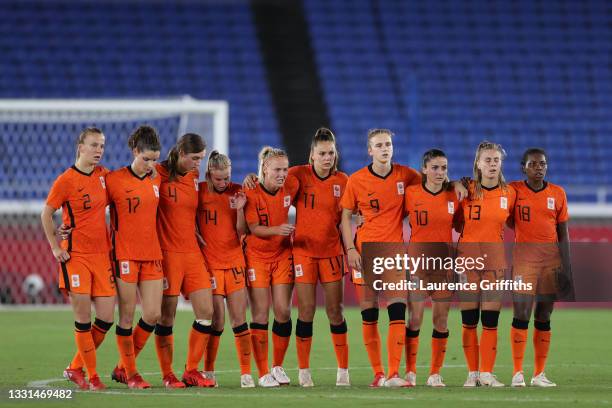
point(269, 263)
point(431, 208)
point(84, 263)
point(221, 222)
point(377, 191)
point(482, 219)
point(136, 254)
point(541, 258)
point(183, 264)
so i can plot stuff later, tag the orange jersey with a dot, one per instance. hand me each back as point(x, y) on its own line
point(537, 213)
point(430, 214)
point(217, 217)
point(83, 200)
point(484, 218)
point(176, 218)
point(269, 209)
point(380, 201)
point(134, 202)
point(318, 199)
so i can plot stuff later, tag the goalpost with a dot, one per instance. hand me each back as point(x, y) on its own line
point(37, 143)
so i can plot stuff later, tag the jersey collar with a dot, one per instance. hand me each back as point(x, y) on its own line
point(431, 192)
point(73, 167)
point(544, 185)
point(267, 191)
point(489, 188)
point(317, 176)
point(134, 174)
point(371, 169)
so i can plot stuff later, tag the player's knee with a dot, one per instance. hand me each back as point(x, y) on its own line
point(489, 318)
point(370, 315)
point(415, 321)
point(306, 312)
point(282, 314)
point(151, 317)
point(440, 323)
point(396, 311)
point(469, 318)
point(543, 312)
point(334, 313)
point(218, 322)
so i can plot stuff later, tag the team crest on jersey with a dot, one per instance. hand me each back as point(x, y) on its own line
point(156, 191)
point(125, 267)
point(251, 273)
point(103, 182)
point(213, 283)
point(551, 203)
point(195, 183)
point(76, 282)
point(337, 190)
point(451, 207)
point(287, 201)
point(299, 271)
point(503, 203)
point(166, 286)
point(400, 188)
point(356, 274)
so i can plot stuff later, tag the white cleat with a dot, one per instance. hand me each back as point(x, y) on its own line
point(489, 380)
point(396, 382)
point(410, 377)
point(304, 377)
point(246, 381)
point(210, 375)
point(540, 380)
point(267, 381)
point(342, 378)
point(435, 380)
point(472, 380)
point(518, 379)
point(280, 375)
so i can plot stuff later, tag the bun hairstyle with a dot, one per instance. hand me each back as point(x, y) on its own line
point(323, 134)
point(216, 161)
point(144, 138)
point(188, 143)
point(376, 132)
point(486, 145)
point(265, 154)
point(81, 139)
point(427, 157)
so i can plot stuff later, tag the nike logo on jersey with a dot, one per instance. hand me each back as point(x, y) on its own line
point(418, 204)
point(521, 199)
point(81, 189)
point(129, 191)
point(370, 194)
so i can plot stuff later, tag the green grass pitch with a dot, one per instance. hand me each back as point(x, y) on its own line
point(37, 345)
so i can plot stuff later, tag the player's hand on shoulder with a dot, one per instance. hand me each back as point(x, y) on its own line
point(250, 181)
point(460, 189)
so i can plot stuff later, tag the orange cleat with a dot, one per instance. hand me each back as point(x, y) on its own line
point(193, 378)
point(95, 384)
point(119, 375)
point(136, 382)
point(77, 376)
point(170, 381)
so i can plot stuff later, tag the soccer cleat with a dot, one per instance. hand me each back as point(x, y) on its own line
point(210, 378)
point(540, 380)
point(95, 384)
point(379, 380)
point(305, 378)
point(395, 381)
point(193, 378)
point(435, 380)
point(268, 381)
point(518, 379)
point(411, 378)
point(280, 375)
point(246, 381)
point(489, 380)
point(472, 380)
point(342, 378)
point(136, 382)
point(77, 376)
point(170, 381)
point(119, 375)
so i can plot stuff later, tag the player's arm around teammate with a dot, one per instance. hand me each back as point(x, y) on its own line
point(136, 254)
point(269, 261)
point(221, 222)
point(484, 215)
point(317, 252)
point(541, 258)
point(430, 207)
point(84, 263)
point(183, 263)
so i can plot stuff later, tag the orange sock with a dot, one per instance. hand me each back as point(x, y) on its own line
point(338, 334)
point(541, 345)
point(210, 356)
point(469, 338)
point(303, 342)
point(164, 345)
point(518, 338)
point(259, 341)
point(412, 349)
point(86, 347)
point(125, 344)
point(395, 346)
point(371, 338)
point(98, 332)
point(142, 332)
point(281, 334)
point(198, 340)
point(438, 351)
point(242, 338)
point(488, 340)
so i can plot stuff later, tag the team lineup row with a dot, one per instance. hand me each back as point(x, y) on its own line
point(217, 243)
